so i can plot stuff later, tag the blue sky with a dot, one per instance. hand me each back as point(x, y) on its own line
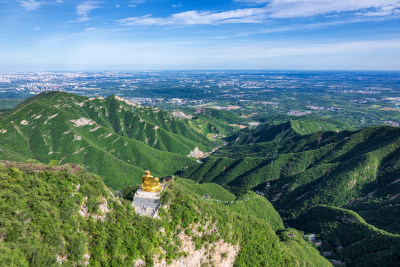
point(39, 35)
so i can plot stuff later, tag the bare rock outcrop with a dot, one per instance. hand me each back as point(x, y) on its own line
point(218, 254)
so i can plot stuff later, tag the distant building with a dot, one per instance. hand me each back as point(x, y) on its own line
point(313, 239)
point(391, 123)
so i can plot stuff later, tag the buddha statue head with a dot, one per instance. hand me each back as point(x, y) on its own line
point(149, 183)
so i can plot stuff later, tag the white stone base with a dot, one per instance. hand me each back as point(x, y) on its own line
point(146, 203)
point(141, 193)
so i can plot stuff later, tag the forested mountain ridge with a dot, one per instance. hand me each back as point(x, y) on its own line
point(347, 236)
point(315, 179)
point(286, 157)
point(54, 215)
point(112, 137)
point(341, 184)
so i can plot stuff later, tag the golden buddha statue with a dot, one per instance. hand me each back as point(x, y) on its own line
point(149, 183)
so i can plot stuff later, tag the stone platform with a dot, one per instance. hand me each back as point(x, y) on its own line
point(147, 203)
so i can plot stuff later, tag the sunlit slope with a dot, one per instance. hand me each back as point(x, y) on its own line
point(111, 137)
point(64, 214)
point(214, 191)
point(218, 121)
point(152, 126)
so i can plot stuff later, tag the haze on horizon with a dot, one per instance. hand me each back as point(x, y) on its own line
point(58, 35)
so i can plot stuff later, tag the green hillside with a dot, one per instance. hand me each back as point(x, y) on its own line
point(219, 121)
point(340, 184)
point(64, 214)
point(355, 170)
point(247, 204)
point(112, 137)
point(308, 126)
point(215, 191)
point(299, 160)
point(317, 123)
point(350, 238)
point(270, 131)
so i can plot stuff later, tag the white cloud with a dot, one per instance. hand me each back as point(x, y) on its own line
point(83, 10)
point(246, 15)
point(309, 8)
point(384, 11)
point(272, 9)
point(312, 26)
point(36, 29)
point(30, 4)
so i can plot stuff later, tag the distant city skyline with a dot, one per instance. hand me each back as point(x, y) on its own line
point(71, 35)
